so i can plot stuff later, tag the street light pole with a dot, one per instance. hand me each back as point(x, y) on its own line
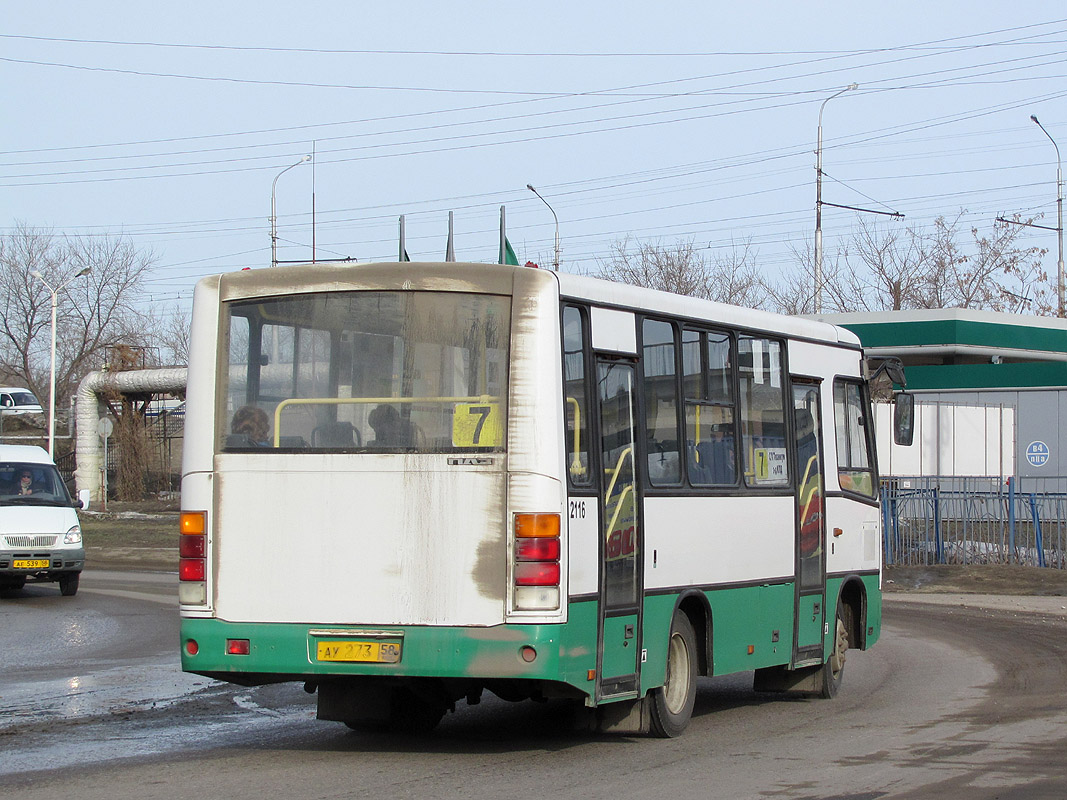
point(555, 263)
point(818, 202)
point(52, 381)
point(273, 213)
point(1059, 215)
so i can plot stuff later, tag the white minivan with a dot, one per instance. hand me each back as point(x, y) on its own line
point(18, 401)
point(40, 536)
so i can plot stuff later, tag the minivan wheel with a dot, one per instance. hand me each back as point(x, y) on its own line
point(68, 584)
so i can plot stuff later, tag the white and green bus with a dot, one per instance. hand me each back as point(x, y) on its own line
point(405, 484)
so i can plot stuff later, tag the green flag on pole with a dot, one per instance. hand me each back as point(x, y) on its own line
point(509, 254)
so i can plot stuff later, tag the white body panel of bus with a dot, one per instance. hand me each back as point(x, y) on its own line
point(409, 539)
point(397, 539)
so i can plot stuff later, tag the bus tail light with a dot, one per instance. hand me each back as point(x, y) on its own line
point(192, 558)
point(537, 573)
point(536, 562)
point(537, 549)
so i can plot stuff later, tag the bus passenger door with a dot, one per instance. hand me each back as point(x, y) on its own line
point(810, 527)
point(620, 541)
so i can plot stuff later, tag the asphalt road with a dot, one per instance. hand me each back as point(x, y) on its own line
point(959, 700)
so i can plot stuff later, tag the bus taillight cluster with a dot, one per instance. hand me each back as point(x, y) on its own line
point(192, 558)
point(536, 564)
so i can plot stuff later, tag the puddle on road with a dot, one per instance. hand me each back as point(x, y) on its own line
point(133, 712)
point(101, 692)
point(97, 741)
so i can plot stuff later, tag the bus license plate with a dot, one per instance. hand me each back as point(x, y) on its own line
point(30, 563)
point(379, 652)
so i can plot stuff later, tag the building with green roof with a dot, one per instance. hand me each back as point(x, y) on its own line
point(1013, 366)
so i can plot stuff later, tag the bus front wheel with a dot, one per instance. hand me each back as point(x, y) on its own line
point(672, 704)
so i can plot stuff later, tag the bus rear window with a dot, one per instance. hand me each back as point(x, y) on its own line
point(367, 372)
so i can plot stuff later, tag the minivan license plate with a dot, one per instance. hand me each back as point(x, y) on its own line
point(379, 652)
point(30, 563)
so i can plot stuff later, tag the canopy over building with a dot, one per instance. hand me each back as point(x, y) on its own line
point(956, 348)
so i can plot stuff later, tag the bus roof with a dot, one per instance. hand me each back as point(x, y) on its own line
point(499, 279)
point(624, 295)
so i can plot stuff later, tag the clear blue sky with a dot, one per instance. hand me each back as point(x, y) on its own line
point(659, 121)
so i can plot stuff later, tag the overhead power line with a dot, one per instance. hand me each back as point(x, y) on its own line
point(521, 54)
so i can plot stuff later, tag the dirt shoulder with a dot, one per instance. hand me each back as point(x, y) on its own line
point(133, 536)
point(976, 579)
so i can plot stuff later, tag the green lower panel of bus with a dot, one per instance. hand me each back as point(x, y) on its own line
point(869, 599)
point(749, 627)
point(756, 617)
point(262, 652)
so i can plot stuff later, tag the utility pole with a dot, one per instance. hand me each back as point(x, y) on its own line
point(55, 290)
point(1059, 216)
point(555, 262)
point(274, 213)
point(818, 201)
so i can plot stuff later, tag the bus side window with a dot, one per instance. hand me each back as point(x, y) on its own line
point(762, 407)
point(661, 403)
point(576, 406)
point(854, 462)
point(710, 427)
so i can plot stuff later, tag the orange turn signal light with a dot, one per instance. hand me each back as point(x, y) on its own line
point(528, 526)
point(193, 522)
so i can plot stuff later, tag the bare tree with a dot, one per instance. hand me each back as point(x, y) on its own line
point(887, 268)
point(794, 291)
point(885, 264)
point(1001, 272)
point(683, 268)
point(93, 312)
point(735, 278)
point(173, 327)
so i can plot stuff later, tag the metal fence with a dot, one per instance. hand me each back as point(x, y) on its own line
point(939, 520)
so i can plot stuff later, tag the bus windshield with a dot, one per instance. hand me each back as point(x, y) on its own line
point(367, 371)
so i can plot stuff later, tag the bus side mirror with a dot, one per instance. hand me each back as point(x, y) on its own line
point(904, 419)
point(83, 499)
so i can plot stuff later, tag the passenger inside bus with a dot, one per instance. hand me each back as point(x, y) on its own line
point(250, 428)
point(390, 429)
point(715, 460)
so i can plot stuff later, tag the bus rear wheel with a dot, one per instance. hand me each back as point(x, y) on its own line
point(672, 704)
point(833, 671)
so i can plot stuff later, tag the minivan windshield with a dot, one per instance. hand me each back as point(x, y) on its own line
point(367, 371)
point(15, 399)
point(32, 484)
point(24, 399)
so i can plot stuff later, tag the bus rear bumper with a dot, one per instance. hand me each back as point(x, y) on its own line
point(259, 653)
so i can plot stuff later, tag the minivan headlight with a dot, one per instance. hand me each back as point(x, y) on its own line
point(74, 535)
